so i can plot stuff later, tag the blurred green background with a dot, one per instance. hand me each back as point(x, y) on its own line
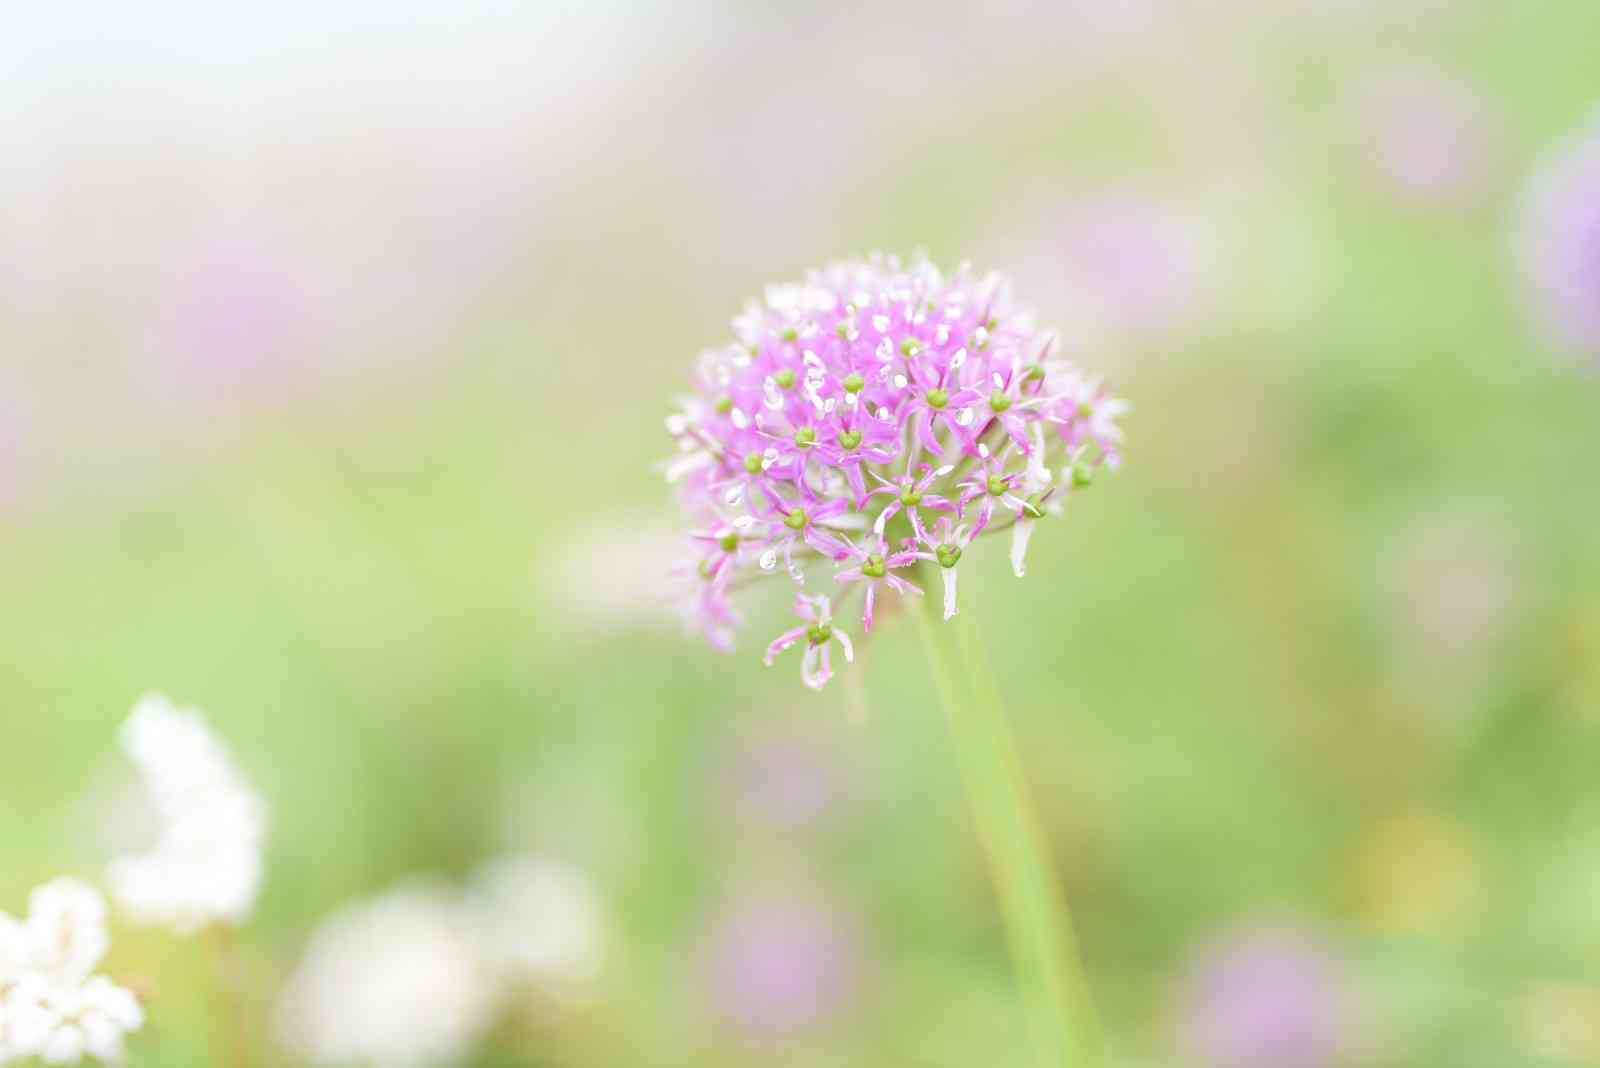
point(340, 418)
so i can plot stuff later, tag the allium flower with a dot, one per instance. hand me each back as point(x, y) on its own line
point(396, 982)
point(206, 866)
point(1263, 998)
point(52, 1005)
point(539, 920)
point(883, 402)
point(1559, 244)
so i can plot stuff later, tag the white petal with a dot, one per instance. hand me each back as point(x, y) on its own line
point(64, 1047)
point(950, 591)
point(811, 668)
point(685, 463)
point(1020, 533)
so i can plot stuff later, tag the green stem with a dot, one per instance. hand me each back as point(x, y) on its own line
point(1033, 908)
point(231, 1043)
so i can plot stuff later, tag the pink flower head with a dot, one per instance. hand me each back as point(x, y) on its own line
point(783, 964)
point(1263, 998)
point(883, 398)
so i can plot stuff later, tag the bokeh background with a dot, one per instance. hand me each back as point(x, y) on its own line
point(337, 340)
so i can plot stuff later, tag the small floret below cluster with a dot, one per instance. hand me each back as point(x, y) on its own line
point(876, 418)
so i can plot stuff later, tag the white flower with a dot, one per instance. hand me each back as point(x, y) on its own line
point(51, 1004)
point(538, 920)
point(206, 867)
point(617, 571)
point(65, 936)
point(395, 982)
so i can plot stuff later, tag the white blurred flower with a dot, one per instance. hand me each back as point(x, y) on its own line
point(51, 1004)
point(206, 866)
point(395, 982)
point(538, 920)
point(1454, 586)
point(617, 571)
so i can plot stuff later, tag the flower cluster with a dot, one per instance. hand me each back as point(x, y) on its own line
point(52, 1005)
point(878, 416)
point(207, 867)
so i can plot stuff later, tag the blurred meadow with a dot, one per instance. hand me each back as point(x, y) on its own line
point(337, 345)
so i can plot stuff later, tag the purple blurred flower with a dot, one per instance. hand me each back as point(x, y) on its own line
point(1262, 998)
point(1559, 243)
point(783, 964)
point(785, 780)
point(232, 319)
point(1430, 136)
point(1127, 265)
point(1138, 254)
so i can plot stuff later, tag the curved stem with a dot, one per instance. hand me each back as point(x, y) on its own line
point(1033, 908)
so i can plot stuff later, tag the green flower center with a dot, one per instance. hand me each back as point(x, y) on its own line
point(819, 633)
point(999, 402)
point(1035, 373)
point(910, 496)
point(910, 346)
point(797, 519)
point(789, 333)
point(849, 439)
point(724, 404)
point(937, 399)
point(875, 567)
point(853, 383)
point(784, 378)
point(948, 555)
point(998, 484)
point(805, 437)
point(1085, 409)
point(752, 462)
point(1082, 475)
point(729, 542)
